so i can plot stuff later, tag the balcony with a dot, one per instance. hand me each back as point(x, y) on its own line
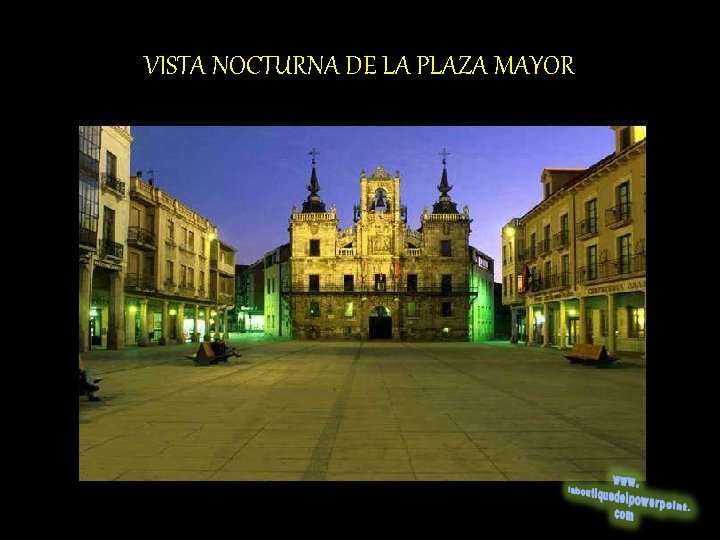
point(187, 289)
point(140, 282)
point(551, 282)
point(587, 228)
point(346, 252)
point(386, 288)
point(619, 215)
point(413, 252)
point(612, 269)
point(543, 247)
point(513, 299)
point(113, 183)
point(141, 238)
point(88, 238)
point(529, 254)
point(561, 240)
point(108, 248)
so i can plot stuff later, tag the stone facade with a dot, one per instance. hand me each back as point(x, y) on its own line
point(379, 278)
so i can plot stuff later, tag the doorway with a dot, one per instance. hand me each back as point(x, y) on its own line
point(380, 323)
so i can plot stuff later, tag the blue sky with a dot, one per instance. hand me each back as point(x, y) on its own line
point(246, 179)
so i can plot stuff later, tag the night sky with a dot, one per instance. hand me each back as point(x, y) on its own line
point(246, 179)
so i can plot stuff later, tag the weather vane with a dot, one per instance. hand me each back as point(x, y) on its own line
point(444, 154)
point(313, 153)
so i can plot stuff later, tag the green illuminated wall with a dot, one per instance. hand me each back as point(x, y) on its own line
point(482, 310)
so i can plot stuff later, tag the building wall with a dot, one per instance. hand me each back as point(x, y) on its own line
point(601, 299)
point(380, 243)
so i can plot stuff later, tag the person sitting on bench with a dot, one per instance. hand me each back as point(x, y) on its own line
point(85, 386)
point(220, 349)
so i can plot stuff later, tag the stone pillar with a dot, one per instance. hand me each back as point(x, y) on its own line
point(85, 288)
point(529, 325)
point(582, 324)
point(226, 334)
point(116, 306)
point(217, 323)
point(165, 323)
point(546, 326)
point(180, 319)
point(611, 341)
point(206, 337)
point(129, 326)
point(563, 325)
point(142, 339)
point(196, 309)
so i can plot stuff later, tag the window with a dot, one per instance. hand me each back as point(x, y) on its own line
point(201, 284)
point(268, 285)
point(348, 311)
point(412, 282)
point(510, 284)
point(445, 250)
point(314, 248)
point(548, 275)
point(348, 282)
point(191, 241)
point(191, 277)
point(564, 229)
point(547, 233)
point(380, 282)
point(202, 246)
point(183, 276)
point(592, 262)
point(315, 282)
point(532, 245)
point(108, 223)
point(565, 270)
point(446, 283)
point(636, 322)
point(504, 253)
point(624, 138)
point(446, 310)
point(622, 194)
point(412, 309)
point(169, 272)
point(624, 259)
point(591, 214)
point(170, 230)
point(347, 330)
point(111, 165)
point(314, 309)
point(504, 286)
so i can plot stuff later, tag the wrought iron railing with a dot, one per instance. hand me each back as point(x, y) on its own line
point(140, 281)
point(543, 246)
point(110, 248)
point(553, 281)
point(561, 239)
point(587, 228)
point(139, 235)
point(114, 183)
point(623, 266)
point(88, 238)
point(618, 215)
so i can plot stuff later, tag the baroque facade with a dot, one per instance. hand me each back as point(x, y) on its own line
point(574, 265)
point(380, 279)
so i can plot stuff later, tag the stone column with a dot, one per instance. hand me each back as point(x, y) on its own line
point(216, 335)
point(142, 338)
point(165, 324)
point(546, 326)
point(529, 324)
point(116, 306)
point(196, 309)
point(129, 326)
point(582, 324)
point(226, 335)
point(85, 288)
point(563, 325)
point(180, 319)
point(611, 341)
point(206, 337)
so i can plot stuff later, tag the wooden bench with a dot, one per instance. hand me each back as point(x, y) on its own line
point(206, 356)
point(590, 354)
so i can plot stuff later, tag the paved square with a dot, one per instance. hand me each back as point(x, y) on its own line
point(309, 410)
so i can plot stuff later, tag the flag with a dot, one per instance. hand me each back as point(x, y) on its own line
point(526, 280)
point(396, 267)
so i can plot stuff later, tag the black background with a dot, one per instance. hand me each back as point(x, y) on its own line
point(614, 84)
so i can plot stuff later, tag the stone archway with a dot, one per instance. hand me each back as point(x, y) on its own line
point(380, 323)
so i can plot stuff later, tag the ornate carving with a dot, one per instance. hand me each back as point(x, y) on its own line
point(446, 228)
point(380, 172)
point(640, 246)
point(314, 228)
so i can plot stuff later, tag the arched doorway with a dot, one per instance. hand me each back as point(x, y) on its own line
point(380, 324)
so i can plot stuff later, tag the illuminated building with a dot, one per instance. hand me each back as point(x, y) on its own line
point(104, 165)
point(276, 305)
point(379, 279)
point(574, 265)
point(180, 275)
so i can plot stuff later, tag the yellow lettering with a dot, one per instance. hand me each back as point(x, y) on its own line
point(521, 64)
point(220, 65)
point(313, 63)
point(298, 66)
point(359, 64)
point(250, 71)
point(567, 66)
point(368, 66)
point(479, 62)
point(197, 64)
point(557, 65)
point(157, 59)
point(331, 64)
point(285, 71)
point(232, 65)
point(422, 64)
point(537, 63)
point(499, 65)
point(171, 64)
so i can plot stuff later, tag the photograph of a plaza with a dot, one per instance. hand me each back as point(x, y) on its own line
point(361, 303)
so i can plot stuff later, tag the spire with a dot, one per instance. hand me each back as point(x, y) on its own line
point(313, 203)
point(444, 204)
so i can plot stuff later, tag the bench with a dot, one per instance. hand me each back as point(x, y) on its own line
point(590, 354)
point(206, 356)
